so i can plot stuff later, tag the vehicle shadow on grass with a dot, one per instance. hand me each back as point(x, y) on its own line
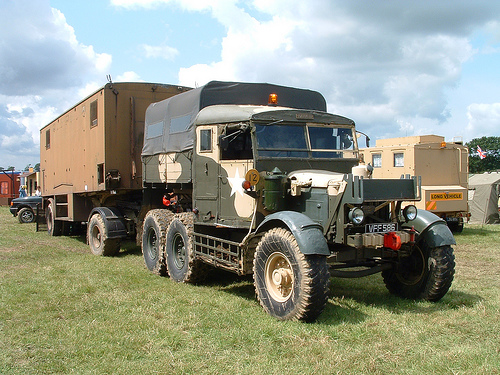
point(127, 247)
point(371, 291)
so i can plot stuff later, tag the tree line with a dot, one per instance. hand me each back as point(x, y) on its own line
point(10, 168)
point(490, 146)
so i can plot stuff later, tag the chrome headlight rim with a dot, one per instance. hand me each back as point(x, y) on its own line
point(356, 216)
point(410, 212)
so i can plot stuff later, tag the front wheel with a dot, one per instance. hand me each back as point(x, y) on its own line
point(426, 274)
point(289, 284)
point(26, 215)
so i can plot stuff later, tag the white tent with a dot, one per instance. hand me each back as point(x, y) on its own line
point(483, 198)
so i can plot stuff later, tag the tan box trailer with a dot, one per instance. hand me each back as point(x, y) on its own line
point(442, 166)
point(90, 156)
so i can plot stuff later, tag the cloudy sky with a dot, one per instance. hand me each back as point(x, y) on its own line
point(396, 67)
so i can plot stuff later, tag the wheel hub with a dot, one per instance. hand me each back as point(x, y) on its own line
point(279, 277)
point(179, 251)
point(282, 277)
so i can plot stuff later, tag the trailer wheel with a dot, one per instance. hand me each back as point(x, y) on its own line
point(182, 264)
point(54, 227)
point(426, 274)
point(26, 215)
point(98, 239)
point(153, 240)
point(289, 284)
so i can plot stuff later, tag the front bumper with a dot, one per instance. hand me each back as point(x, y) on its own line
point(374, 240)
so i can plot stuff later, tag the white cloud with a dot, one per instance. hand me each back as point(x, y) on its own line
point(484, 120)
point(389, 65)
point(129, 77)
point(163, 52)
point(43, 71)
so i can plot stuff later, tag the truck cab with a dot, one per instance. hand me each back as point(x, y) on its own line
point(259, 179)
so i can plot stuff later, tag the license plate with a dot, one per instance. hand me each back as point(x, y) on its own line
point(381, 227)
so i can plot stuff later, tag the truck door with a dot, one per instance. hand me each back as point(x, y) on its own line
point(206, 172)
point(236, 159)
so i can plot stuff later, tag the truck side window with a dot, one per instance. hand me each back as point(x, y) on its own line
point(238, 146)
point(206, 140)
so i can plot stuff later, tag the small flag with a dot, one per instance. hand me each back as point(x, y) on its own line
point(481, 153)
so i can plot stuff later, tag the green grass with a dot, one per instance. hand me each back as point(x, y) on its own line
point(63, 310)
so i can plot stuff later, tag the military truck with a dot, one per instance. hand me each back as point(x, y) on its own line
point(259, 179)
point(90, 163)
point(442, 167)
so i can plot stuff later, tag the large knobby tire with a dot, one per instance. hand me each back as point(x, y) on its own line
point(98, 240)
point(54, 227)
point(426, 274)
point(153, 240)
point(289, 284)
point(182, 264)
point(26, 215)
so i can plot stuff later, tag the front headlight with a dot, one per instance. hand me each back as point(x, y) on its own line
point(410, 212)
point(356, 215)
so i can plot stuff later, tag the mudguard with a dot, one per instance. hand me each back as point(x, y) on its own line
point(309, 234)
point(113, 220)
point(432, 229)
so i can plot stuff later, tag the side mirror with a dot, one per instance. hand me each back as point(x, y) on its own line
point(367, 139)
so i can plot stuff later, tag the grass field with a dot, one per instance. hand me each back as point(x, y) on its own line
point(63, 310)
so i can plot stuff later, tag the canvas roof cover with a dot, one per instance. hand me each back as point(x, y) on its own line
point(483, 197)
point(169, 124)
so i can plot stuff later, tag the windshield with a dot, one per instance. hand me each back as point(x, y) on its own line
point(303, 141)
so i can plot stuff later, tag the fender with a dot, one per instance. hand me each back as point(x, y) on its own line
point(113, 221)
point(433, 230)
point(309, 234)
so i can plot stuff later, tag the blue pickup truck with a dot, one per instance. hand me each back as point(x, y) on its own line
point(25, 208)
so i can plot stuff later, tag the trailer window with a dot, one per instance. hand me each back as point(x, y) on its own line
point(93, 113)
point(100, 173)
point(47, 139)
point(377, 160)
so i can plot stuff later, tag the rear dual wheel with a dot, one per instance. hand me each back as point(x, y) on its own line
point(182, 264)
point(153, 240)
point(289, 284)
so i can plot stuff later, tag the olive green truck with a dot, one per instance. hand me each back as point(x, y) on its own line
point(251, 178)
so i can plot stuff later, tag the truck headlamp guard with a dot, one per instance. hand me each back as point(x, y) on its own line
point(356, 215)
